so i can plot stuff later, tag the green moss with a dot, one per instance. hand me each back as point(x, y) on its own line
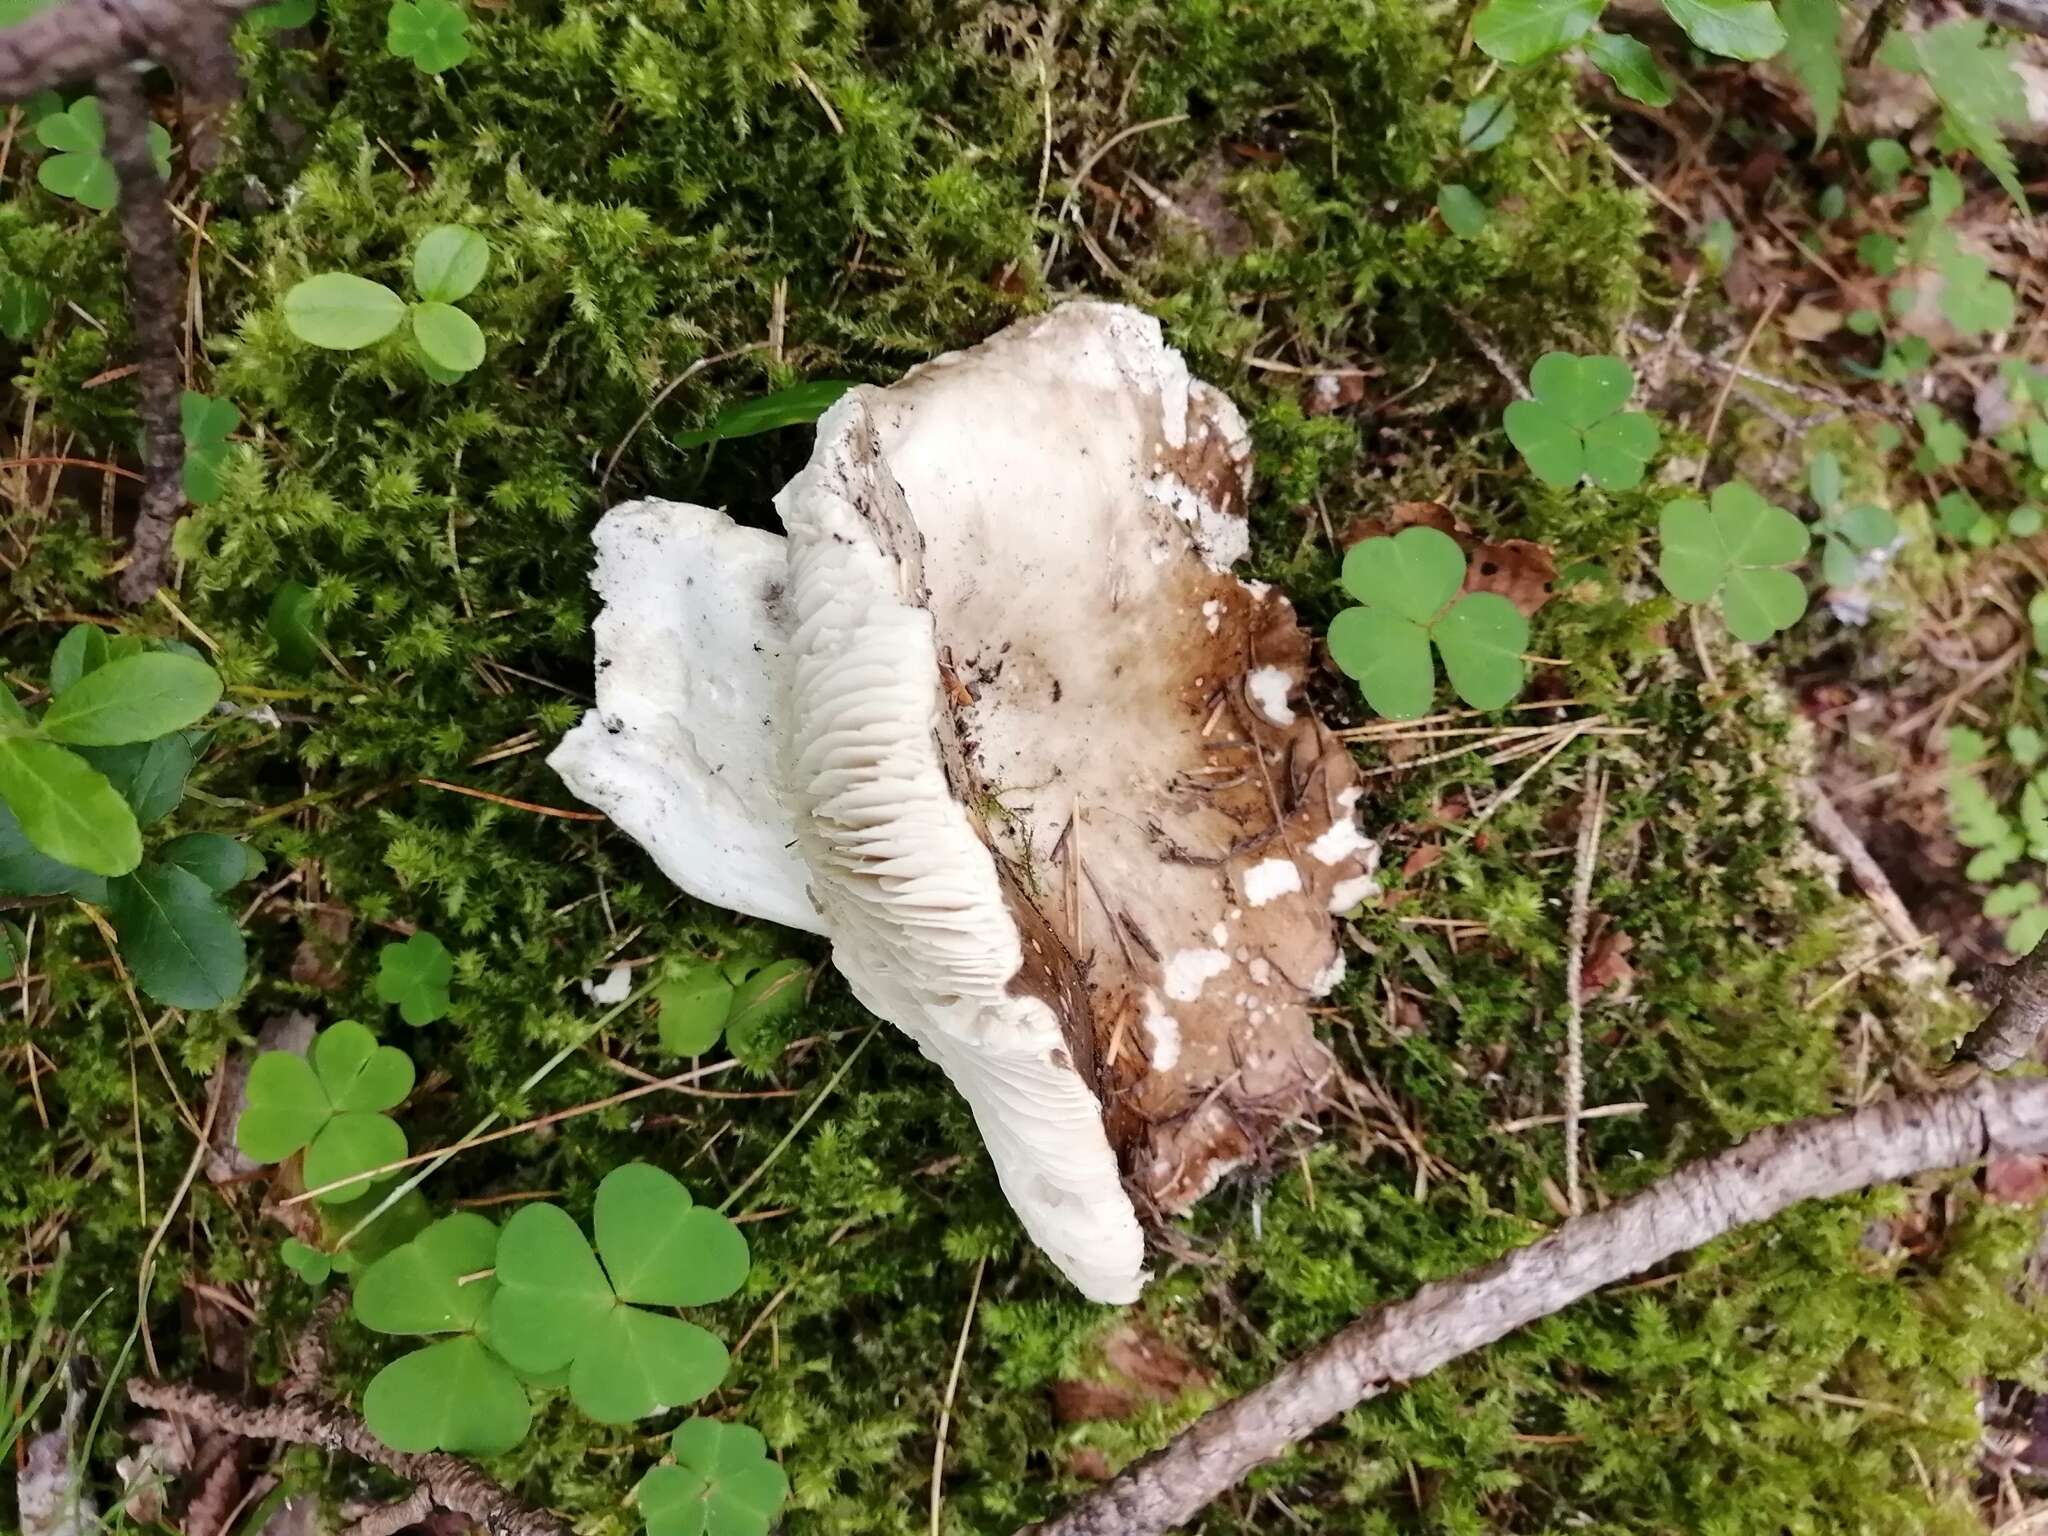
point(652, 176)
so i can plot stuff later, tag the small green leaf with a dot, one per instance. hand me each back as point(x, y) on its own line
point(792, 407)
point(286, 1107)
point(1619, 450)
point(83, 649)
point(342, 312)
point(452, 1396)
point(137, 698)
point(418, 1287)
point(693, 1012)
point(294, 626)
point(1522, 31)
point(24, 307)
point(26, 872)
point(1867, 526)
point(1735, 29)
point(449, 338)
point(2027, 931)
point(1888, 160)
point(150, 776)
point(1413, 574)
point(81, 129)
point(414, 977)
point(449, 263)
point(357, 1073)
point(636, 1363)
point(432, 33)
point(552, 1294)
point(769, 994)
point(309, 1264)
point(1486, 124)
point(1632, 68)
point(2026, 745)
point(181, 943)
point(1735, 549)
point(66, 808)
point(1824, 480)
point(1388, 656)
point(349, 1144)
point(220, 863)
point(1583, 390)
point(1551, 446)
point(722, 1484)
point(1813, 52)
point(1482, 640)
point(659, 1248)
point(13, 951)
point(1463, 214)
point(283, 15)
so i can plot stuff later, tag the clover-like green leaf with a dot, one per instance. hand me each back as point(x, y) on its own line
point(80, 169)
point(450, 339)
point(342, 312)
point(1736, 550)
point(207, 425)
point(330, 1107)
point(432, 33)
point(1413, 573)
point(693, 1012)
point(414, 977)
point(1404, 584)
point(659, 1248)
point(137, 698)
point(557, 1305)
point(722, 1484)
point(1388, 657)
point(1481, 640)
point(455, 1395)
point(449, 262)
point(309, 1264)
point(1522, 31)
point(426, 1286)
point(1574, 427)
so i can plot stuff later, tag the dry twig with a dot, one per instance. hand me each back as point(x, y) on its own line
point(1764, 1174)
point(1590, 819)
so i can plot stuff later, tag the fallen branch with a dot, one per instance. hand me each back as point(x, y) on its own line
point(1764, 1174)
point(85, 38)
point(438, 1481)
point(1831, 828)
point(2015, 1025)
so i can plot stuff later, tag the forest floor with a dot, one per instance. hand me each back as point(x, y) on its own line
point(799, 192)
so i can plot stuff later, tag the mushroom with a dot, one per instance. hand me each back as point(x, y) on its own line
point(1046, 774)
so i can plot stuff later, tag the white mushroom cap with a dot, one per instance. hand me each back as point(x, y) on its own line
point(681, 749)
point(998, 720)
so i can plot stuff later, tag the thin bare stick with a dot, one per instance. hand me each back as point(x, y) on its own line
point(1842, 841)
point(1762, 1175)
point(953, 1386)
point(1728, 384)
point(146, 1271)
point(1590, 818)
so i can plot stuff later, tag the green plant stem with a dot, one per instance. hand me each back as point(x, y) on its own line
point(802, 1120)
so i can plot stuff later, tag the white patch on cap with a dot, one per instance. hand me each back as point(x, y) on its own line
point(1189, 970)
point(1269, 687)
point(615, 988)
point(1164, 1029)
point(1346, 894)
point(1270, 880)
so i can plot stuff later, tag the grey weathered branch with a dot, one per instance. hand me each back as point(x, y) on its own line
point(81, 39)
point(1404, 1341)
point(445, 1482)
point(2013, 1027)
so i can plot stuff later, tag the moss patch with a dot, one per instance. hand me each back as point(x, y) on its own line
point(659, 180)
